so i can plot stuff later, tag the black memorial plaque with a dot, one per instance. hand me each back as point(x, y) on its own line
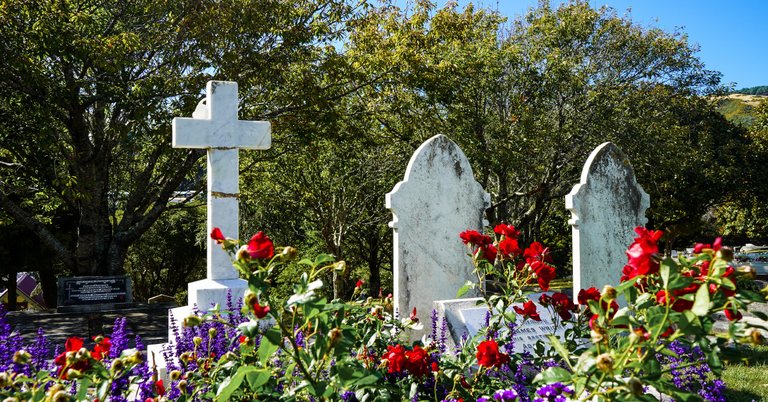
point(90, 290)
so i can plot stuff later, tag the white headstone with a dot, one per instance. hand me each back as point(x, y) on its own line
point(215, 127)
point(464, 317)
point(436, 201)
point(606, 206)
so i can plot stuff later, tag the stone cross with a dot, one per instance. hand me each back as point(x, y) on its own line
point(215, 127)
point(437, 200)
point(606, 206)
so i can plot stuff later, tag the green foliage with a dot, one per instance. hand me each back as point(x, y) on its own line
point(758, 90)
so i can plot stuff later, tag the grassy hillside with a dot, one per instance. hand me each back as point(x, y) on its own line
point(739, 108)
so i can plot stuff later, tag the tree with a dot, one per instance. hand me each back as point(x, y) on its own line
point(89, 90)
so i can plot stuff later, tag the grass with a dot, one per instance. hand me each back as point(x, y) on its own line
point(746, 373)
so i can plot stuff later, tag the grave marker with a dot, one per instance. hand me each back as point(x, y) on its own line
point(214, 126)
point(438, 199)
point(606, 206)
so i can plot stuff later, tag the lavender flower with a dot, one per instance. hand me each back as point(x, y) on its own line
point(556, 392)
point(505, 395)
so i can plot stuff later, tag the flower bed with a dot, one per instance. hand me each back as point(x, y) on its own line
point(314, 349)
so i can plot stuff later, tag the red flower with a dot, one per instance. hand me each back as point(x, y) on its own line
point(475, 237)
point(642, 255)
point(359, 283)
point(509, 246)
point(217, 235)
point(416, 361)
point(563, 305)
point(537, 252)
point(699, 247)
point(489, 252)
point(589, 294)
point(260, 246)
point(507, 231)
point(488, 354)
point(260, 311)
point(663, 297)
point(73, 344)
point(160, 388)
point(528, 311)
point(545, 299)
point(731, 315)
point(395, 357)
point(101, 349)
point(544, 273)
point(243, 339)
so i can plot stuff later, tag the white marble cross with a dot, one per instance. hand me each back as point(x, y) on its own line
point(214, 126)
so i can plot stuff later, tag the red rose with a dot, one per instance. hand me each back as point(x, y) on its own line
point(217, 235)
point(101, 349)
point(545, 299)
point(488, 354)
point(507, 231)
point(589, 294)
point(73, 344)
point(395, 357)
point(642, 255)
point(260, 246)
point(537, 252)
point(528, 311)
point(489, 252)
point(663, 297)
point(563, 305)
point(359, 283)
point(260, 311)
point(544, 273)
point(699, 247)
point(474, 237)
point(509, 246)
point(416, 361)
point(731, 315)
point(160, 388)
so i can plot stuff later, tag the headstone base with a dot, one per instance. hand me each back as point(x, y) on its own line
point(208, 292)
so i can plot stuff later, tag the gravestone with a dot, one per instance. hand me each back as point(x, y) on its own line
point(436, 201)
point(606, 206)
point(93, 293)
point(464, 317)
point(215, 127)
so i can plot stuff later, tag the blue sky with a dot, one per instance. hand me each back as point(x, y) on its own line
point(732, 34)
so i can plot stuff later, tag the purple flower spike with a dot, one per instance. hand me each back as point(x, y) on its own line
point(505, 395)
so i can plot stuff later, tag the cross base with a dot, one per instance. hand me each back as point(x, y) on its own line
point(207, 292)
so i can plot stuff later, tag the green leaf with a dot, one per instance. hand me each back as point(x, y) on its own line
point(270, 342)
point(258, 378)
point(553, 374)
point(324, 259)
point(469, 285)
point(664, 271)
point(83, 390)
point(560, 349)
point(627, 284)
point(701, 302)
point(232, 383)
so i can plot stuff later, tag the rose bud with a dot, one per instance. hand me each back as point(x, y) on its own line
point(182, 386)
point(73, 374)
point(250, 298)
point(5, 379)
point(175, 375)
point(289, 253)
point(605, 362)
point(211, 332)
point(197, 341)
point(21, 357)
point(340, 267)
point(117, 366)
point(757, 336)
point(609, 293)
point(82, 354)
point(192, 321)
point(335, 336)
point(635, 386)
point(242, 254)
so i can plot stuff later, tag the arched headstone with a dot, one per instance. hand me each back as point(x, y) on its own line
point(606, 206)
point(438, 199)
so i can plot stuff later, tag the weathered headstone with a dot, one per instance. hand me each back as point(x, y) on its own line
point(215, 127)
point(464, 317)
point(438, 199)
point(606, 206)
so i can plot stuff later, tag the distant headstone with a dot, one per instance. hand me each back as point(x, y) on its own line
point(89, 293)
point(464, 317)
point(436, 201)
point(160, 299)
point(606, 206)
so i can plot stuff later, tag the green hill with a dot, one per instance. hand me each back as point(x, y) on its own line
point(761, 90)
point(739, 108)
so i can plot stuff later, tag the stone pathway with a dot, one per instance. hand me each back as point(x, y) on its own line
point(150, 322)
